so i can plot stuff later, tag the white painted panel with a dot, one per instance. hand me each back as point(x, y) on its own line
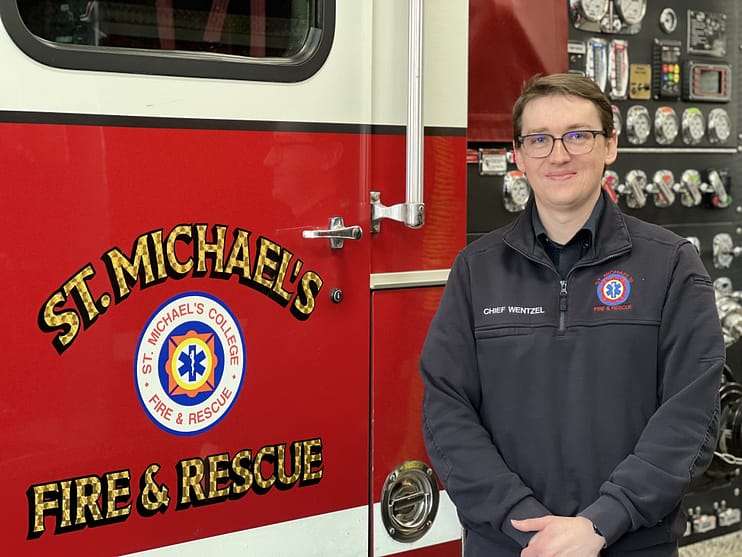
point(364, 80)
point(339, 534)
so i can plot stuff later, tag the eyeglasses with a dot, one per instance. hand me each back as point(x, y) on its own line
point(576, 142)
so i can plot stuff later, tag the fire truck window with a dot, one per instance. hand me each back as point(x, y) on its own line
point(248, 28)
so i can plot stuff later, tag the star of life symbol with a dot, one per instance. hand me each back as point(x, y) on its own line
point(190, 364)
point(614, 289)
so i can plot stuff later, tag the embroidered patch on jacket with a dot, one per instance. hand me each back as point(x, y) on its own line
point(613, 290)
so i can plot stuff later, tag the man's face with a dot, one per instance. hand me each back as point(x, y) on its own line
point(563, 182)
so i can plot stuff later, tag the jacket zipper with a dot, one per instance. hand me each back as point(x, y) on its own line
point(562, 304)
point(563, 283)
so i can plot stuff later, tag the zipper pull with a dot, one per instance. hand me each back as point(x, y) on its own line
point(563, 295)
point(562, 304)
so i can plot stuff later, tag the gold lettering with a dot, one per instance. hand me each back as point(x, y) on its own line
point(239, 255)
point(278, 286)
point(218, 473)
point(191, 474)
point(45, 498)
point(88, 492)
point(117, 488)
point(179, 268)
point(265, 262)
point(67, 321)
point(242, 482)
point(304, 303)
point(281, 464)
point(159, 255)
point(124, 272)
point(312, 457)
point(205, 249)
point(267, 453)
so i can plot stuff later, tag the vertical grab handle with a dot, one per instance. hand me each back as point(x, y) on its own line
point(412, 211)
point(415, 131)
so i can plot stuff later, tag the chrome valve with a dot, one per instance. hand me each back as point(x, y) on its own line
point(690, 188)
point(724, 250)
point(662, 188)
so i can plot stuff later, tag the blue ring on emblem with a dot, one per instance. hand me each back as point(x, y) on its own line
point(198, 327)
point(614, 289)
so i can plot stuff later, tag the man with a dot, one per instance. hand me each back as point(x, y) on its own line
point(572, 370)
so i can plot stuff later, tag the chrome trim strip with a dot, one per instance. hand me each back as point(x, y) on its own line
point(409, 279)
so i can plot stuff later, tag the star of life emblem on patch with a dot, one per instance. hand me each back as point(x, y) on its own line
point(614, 288)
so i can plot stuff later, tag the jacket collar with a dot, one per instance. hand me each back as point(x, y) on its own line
point(612, 235)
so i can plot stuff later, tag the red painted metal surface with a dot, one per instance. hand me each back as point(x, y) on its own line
point(509, 41)
point(399, 248)
point(71, 194)
point(400, 323)
point(450, 549)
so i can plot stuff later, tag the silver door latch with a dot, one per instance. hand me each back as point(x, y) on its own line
point(337, 233)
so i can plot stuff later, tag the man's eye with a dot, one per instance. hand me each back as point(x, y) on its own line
point(577, 136)
point(538, 139)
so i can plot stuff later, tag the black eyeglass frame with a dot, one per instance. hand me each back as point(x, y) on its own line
point(595, 133)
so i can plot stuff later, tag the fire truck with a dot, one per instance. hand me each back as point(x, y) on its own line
point(230, 223)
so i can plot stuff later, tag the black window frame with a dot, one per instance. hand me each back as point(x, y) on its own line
point(177, 63)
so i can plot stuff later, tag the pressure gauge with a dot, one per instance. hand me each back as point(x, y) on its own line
point(516, 191)
point(666, 125)
point(694, 126)
point(638, 124)
point(668, 20)
point(592, 10)
point(631, 11)
point(617, 119)
point(719, 126)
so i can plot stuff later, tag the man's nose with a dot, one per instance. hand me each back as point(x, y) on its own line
point(559, 151)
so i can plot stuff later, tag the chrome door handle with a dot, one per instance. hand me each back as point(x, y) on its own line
point(337, 234)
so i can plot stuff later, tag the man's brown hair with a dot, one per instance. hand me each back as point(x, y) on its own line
point(567, 84)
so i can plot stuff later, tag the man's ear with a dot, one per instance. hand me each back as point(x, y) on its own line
point(611, 148)
point(517, 157)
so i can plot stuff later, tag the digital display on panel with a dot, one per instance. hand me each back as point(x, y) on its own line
point(710, 82)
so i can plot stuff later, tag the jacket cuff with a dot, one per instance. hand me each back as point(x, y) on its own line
point(529, 507)
point(608, 516)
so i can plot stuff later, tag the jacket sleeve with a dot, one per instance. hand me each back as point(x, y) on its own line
point(678, 442)
point(486, 493)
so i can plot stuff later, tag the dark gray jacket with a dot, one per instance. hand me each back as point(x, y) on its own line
point(597, 395)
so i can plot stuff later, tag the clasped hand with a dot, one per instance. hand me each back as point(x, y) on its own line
point(560, 536)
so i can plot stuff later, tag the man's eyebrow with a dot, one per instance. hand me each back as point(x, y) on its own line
point(569, 128)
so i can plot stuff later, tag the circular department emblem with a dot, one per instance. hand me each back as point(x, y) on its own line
point(614, 289)
point(190, 363)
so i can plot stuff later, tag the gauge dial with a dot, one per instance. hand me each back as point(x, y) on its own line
point(520, 191)
point(594, 10)
point(617, 120)
point(516, 191)
point(719, 126)
point(631, 11)
point(668, 20)
point(638, 124)
point(666, 125)
point(694, 126)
